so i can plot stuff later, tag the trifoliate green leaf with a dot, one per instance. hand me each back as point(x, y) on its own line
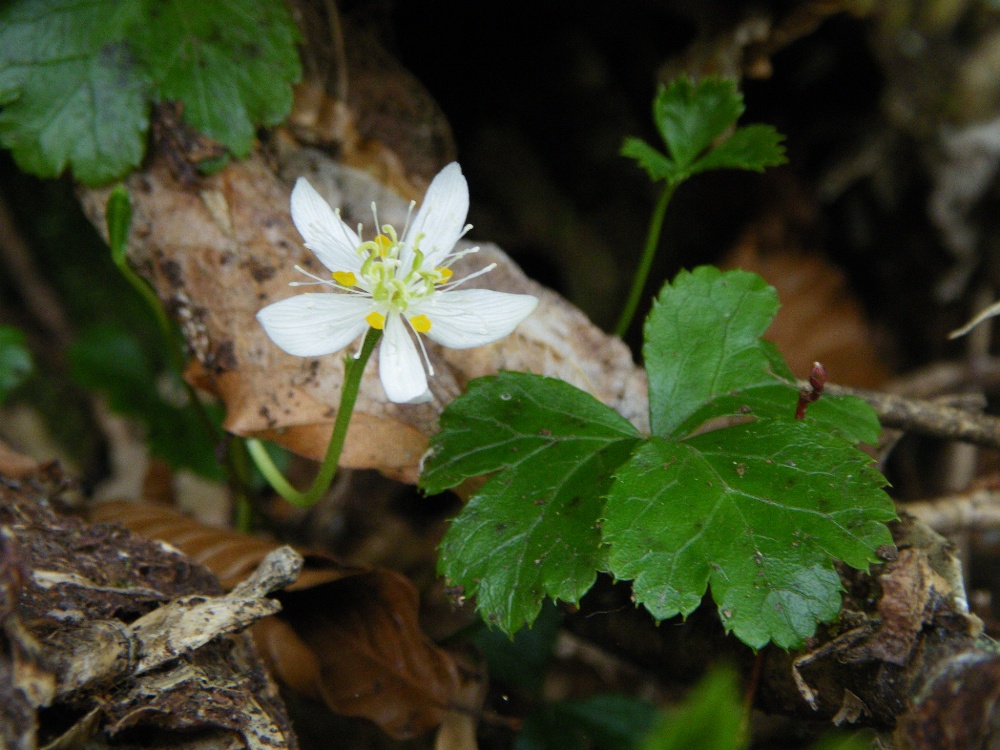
point(231, 63)
point(710, 718)
point(531, 531)
point(690, 116)
point(757, 511)
point(702, 340)
point(15, 360)
point(73, 93)
point(753, 147)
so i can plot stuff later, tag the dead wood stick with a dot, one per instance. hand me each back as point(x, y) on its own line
point(927, 417)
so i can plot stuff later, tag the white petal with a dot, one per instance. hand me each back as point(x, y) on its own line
point(333, 242)
point(309, 325)
point(441, 217)
point(473, 317)
point(399, 364)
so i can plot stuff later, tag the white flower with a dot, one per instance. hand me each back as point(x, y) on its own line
point(402, 285)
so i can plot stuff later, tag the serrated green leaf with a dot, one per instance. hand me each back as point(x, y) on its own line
point(754, 147)
point(15, 360)
point(690, 116)
point(710, 718)
point(758, 511)
point(657, 165)
point(231, 62)
point(531, 531)
point(702, 340)
point(72, 91)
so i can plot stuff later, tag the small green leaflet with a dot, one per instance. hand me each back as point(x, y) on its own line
point(691, 118)
point(15, 360)
point(758, 511)
point(77, 77)
point(531, 531)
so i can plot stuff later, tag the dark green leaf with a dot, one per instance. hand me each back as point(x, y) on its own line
point(703, 341)
point(72, 91)
point(521, 661)
point(111, 361)
point(602, 722)
point(15, 360)
point(753, 147)
point(657, 166)
point(231, 63)
point(757, 511)
point(711, 718)
point(531, 531)
point(690, 116)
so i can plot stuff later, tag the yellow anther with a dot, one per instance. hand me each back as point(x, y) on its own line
point(444, 273)
point(375, 320)
point(420, 323)
point(345, 278)
point(384, 242)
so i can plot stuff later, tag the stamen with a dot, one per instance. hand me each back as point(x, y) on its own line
point(375, 320)
point(420, 323)
point(462, 280)
point(345, 278)
point(312, 276)
point(444, 273)
point(423, 349)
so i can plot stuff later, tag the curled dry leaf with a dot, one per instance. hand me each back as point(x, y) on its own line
point(347, 635)
point(219, 251)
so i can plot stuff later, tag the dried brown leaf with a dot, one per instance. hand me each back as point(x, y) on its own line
point(221, 250)
point(347, 635)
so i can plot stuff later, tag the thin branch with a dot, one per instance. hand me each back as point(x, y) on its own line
point(928, 418)
point(973, 511)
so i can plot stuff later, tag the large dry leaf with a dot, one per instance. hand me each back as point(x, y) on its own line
point(347, 635)
point(220, 250)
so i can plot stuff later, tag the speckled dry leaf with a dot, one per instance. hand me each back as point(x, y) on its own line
point(220, 250)
point(347, 635)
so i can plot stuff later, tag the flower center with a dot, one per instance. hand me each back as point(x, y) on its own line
point(389, 281)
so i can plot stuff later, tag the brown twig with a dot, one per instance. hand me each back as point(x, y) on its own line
point(927, 417)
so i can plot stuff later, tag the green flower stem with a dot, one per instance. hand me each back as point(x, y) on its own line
point(353, 370)
point(648, 253)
